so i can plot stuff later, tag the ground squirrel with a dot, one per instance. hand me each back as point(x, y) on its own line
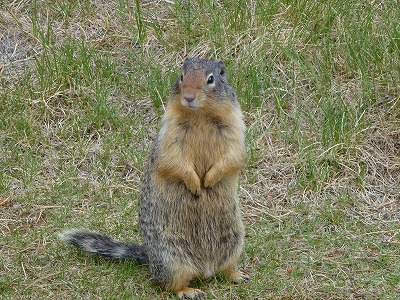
point(189, 212)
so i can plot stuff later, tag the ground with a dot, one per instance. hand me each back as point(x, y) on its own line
point(83, 86)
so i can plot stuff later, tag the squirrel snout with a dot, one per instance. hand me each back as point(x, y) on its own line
point(189, 96)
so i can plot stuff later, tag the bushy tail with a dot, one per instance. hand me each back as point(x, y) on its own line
point(94, 242)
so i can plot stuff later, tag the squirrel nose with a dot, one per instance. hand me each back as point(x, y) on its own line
point(189, 96)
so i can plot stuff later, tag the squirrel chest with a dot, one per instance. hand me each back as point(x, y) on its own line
point(203, 141)
point(202, 138)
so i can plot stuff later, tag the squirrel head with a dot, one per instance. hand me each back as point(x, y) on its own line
point(203, 83)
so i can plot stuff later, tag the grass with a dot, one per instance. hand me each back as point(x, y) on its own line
point(82, 89)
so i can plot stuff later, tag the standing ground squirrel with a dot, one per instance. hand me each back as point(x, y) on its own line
point(189, 212)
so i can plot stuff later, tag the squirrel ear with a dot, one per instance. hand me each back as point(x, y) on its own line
point(221, 66)
point(186, 62)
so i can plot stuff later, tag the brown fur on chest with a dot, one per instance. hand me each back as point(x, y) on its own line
point(203, 137)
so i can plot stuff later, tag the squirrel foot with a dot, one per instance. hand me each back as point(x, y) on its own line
point(238, 276)
point(190, 293)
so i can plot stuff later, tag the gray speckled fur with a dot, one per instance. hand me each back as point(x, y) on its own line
point(94, 242)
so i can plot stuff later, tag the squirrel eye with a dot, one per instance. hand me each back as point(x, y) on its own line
point(210, 79)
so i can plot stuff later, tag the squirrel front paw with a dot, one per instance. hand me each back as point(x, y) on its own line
point(210, 179)
point(193, 184)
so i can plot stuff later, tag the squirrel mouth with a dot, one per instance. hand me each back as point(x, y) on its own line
point(191, 105)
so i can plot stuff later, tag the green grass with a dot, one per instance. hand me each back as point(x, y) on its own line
point(83, 85)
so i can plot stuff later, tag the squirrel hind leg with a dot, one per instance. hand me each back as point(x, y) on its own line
point(231, 271)
point(179, 284)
